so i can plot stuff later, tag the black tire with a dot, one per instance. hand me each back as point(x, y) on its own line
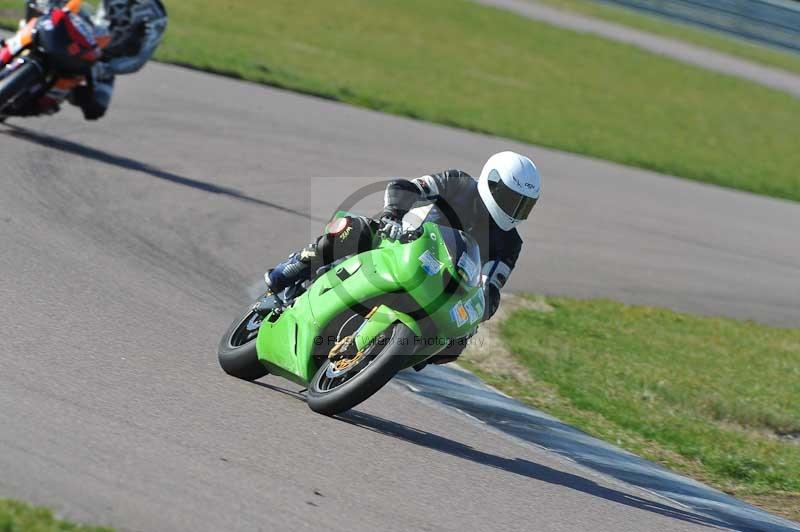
point(392, 358)
point(17, 82)
point(237, 349)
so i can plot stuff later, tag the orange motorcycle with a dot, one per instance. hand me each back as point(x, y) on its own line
point(47, 59)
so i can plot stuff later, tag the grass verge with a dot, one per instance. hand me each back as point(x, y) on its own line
point(713, 398)
point(20, 517)
point(665, 27)
point(10, 13)
point(488, 70)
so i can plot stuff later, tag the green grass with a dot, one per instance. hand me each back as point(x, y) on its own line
point(10, 13)
point(719, 41)
point(488, 70)
point(714, 398)
point(20, 517)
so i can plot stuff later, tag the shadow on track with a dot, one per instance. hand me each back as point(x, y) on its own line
point(294, 395)
point(519, 466)
point(137, 166)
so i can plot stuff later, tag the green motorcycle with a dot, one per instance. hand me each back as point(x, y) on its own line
point(362, 318)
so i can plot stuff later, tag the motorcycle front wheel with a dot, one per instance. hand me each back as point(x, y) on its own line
point(334, 389)
point(15, 83)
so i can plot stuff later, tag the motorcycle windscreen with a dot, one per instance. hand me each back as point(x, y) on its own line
point(465, 253)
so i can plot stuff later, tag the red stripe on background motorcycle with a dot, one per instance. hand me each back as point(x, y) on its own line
point(5, 56)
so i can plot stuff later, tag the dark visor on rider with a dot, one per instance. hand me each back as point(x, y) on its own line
point(509, 200)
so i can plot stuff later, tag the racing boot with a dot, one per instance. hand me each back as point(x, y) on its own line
point(295, 269)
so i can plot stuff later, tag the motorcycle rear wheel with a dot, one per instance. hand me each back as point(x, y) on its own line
point(237, 353)
point(333, 395)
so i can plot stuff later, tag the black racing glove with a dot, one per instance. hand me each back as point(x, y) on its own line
point(491, 295)
point(391, 227)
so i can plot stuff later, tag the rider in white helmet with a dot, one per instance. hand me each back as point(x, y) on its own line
point(489, 209)
point(509, 186)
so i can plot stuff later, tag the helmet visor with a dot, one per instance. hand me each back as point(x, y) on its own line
point(509, 200)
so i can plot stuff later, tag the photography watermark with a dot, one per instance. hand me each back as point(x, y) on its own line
point(416, 342)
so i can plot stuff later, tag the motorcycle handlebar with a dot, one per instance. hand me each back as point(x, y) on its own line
point(405, 237)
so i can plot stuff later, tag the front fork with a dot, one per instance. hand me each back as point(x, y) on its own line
point(30, 89)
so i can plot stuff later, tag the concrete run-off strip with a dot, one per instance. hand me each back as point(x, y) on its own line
point(704, 505)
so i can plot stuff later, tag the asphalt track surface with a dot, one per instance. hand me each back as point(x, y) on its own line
point(129, 245)
point(674, 48)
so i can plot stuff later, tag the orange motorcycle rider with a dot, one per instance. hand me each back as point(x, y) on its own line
point(133, 29)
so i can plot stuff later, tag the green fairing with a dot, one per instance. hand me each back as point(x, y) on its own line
point(286, 344)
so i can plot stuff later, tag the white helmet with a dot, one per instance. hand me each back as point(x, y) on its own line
point(509, 187)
